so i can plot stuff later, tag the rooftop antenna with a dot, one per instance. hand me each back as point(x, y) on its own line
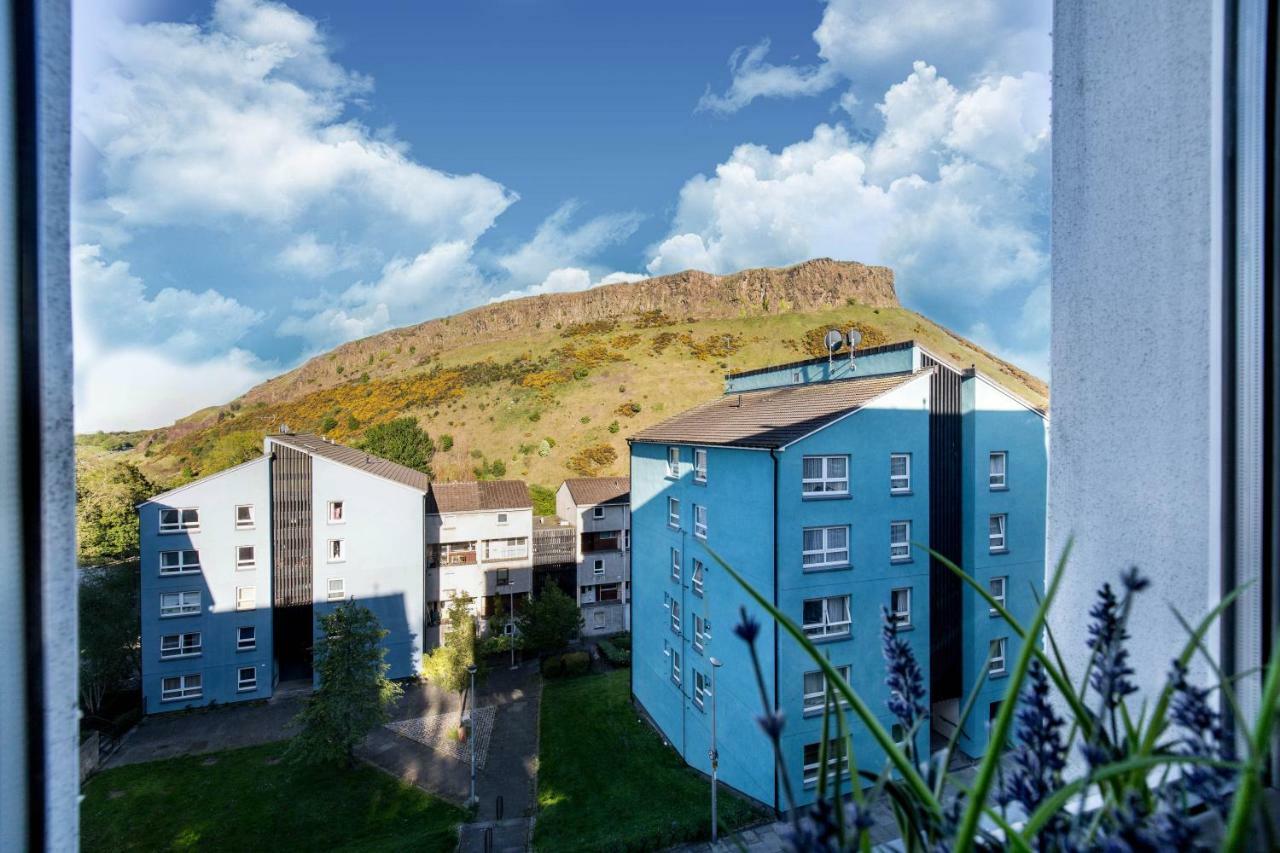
point(855, 338)
point(284, 429)
point(833, 340)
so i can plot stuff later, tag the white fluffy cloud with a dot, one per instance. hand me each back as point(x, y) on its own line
point(753, 77)
point(557, 244)
point(567, 280)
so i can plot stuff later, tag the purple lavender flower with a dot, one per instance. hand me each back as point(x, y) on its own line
point(1202, 736)
point(902, 676)
point(747, 628)
point(772, 722)
point(1038, 759)
point(1107, 635)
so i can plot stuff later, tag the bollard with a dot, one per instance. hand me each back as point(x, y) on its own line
point(488, 839)
point(498, 808)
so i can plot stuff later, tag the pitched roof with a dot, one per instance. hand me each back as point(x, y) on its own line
point(357, 459)
point(772, 417)
point(473, 496)
point(595, 491)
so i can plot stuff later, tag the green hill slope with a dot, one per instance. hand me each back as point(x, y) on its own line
point(551, 386)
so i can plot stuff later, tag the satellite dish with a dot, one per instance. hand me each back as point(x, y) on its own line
point(855, 338)
point(834, 340)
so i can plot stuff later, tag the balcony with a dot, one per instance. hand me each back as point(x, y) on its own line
point(454, 554)
point(606, 541)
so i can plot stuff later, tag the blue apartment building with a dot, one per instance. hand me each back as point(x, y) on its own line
point(813, 480)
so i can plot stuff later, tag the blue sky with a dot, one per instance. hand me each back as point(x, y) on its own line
point(257, 182)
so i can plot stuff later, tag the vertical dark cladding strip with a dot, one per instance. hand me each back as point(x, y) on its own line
point(1271, 357)
point(946, 614)
point(1230, 376)
point(291, 527)
point(773, 454)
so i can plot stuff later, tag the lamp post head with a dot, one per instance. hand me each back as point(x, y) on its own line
point(716, 662)
point(471, 668)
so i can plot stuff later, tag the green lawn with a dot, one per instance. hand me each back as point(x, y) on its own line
point(248, 800)
point(606, 782)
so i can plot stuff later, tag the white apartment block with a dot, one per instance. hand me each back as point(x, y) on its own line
point(600, 509)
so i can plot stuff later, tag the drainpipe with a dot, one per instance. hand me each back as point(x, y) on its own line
point(773, 454)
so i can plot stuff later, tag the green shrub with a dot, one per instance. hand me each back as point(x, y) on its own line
point(614, 427)
point(328, 424)
point(446, 442)
point(615, 654)
point(576, 663)
point(553, 667)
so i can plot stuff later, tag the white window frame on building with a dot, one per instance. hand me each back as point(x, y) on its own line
point(673, 461)
point(998, 533)
point(244, 685)
point(174, 646)
point(244, 517)
point(186, 603)
point(828, 554)
point(612, 590)
point(813, 699)
point(336, 551)
point(675, 667)
point(701, 632)
point(820, 481)
point(677, 563)
point(1002, 581)
point(502, 518)
point(701, 688)
point(696, 578)
point(512, 548)
point(246, 598)
point(700, 465)
point(252, 643)
point(246, 557)
point(587, 594)
point(186, 686)
point(337, 512)
point(187, 562)
point(835, 759)
point(598, 619)
point(673, 513)
point(999, 656)
point(597, 513)
point(900, 614)
point(900, 482)
point(675, 616)
point(998, 470)
point(700, 521)
point(185, 520)
point(828, 628)
point(900, 541)
point(337, 593)
point(597, 567)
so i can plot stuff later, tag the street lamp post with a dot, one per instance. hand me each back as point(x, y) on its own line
point(472, 696)
point(714, 753)
point(511, 631)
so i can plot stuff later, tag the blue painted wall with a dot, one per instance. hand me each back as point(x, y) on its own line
point(894, 360)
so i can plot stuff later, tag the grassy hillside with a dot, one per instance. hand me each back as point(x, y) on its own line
point(546, 402)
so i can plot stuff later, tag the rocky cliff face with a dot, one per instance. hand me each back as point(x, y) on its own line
point(809, 286)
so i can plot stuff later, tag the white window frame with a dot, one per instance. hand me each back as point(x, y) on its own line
point(900, 484)
point(246, 595)
point(338, 509)
point(587, 594)
point(597, 568)
point(183, 567)
point(342, 551)
point(187, 603)
point(1000, 481)
point(827, 485)
point(241, 524)
point(677, 564)
point(1003, 582)
point(700, 521)
point(675, 667)
point(700, 465)
point(341, 589)
point(701, 632)
point(597, 513)
point(511, 548)
point(701, 688)
point(901, 618)
point(181, 526)
point(998, 543)
point(999, 660)
point(185, 689)
point(834, 757)
point(829, 628)
point(675, 616)
point(598, 619)
point(673, 461)
point(813, 701)
point(181, 648)
point(243, 686)
point(696, 576)
point(900, 549)
point(826, 551)
point(503, 518)
point(673, 513)
point(241, 565)
point(241, 645)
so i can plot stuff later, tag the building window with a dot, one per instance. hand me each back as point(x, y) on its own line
point(701, 632)
point(179, 603)
point(597, 618)
point(502, 518)
point(247, 678)
point(179, 520)
point(998, 649)
point(337, 589)
point(673, 512)
point(246, 597)
point(175, 687)
point(899, 541)
point(179, 562)
point(700, 521)
point(245, 558)
point(246, 638)
point(996, 534)
point(699, 465)
point(815, 688)
point(337, 550)
point(899, 473)
point(837, 761)
point(244, 517)
point(337, 512)
point(996, 586)
point(626, 540)
point(675, 616)
point(698, 571)
point(998, 476)
point(502, 577)
point(597, 513)
point(827, 617)
point(701, 688)
point(825, 547)
point(587, 595)
point(675, 564)
point(675, 666)
point(993, 711)
point(180, 645)
point(900, 607)
point(826, 475)
point(506, 549)
point(607, 592)
point(673, 462)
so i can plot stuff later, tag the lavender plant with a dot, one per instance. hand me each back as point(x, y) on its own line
point(1141, 781)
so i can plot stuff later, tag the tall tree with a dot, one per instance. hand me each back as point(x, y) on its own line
point(355, 696)
point(106, 520)
point(551, 621)
point(446, 665)
point(403, 441)
point(109, 648)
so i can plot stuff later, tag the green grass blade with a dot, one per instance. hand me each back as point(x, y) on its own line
point(1250, 782)
point(954, 740)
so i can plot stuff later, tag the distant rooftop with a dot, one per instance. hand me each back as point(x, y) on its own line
point(822, 359)
point(357, 459)
point(772, 417)
point(475, 496)
point(596, 491)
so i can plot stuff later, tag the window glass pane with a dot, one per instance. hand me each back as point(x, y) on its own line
point(837, 467)
point(812, 467)
point(837, 537)
point(813, 612)
point(838, 608)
